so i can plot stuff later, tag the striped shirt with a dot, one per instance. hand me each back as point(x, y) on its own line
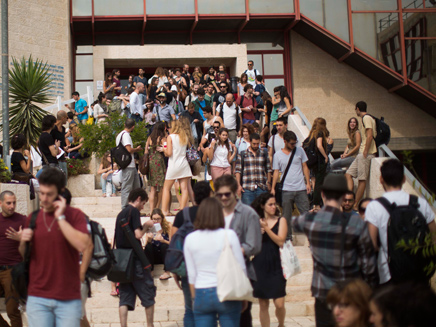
point(255, 169)
point(324, 231)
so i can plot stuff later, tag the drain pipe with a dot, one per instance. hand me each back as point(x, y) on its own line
point(5, 78)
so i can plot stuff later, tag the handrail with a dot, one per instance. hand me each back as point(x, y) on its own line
point(305, 122)
point(384, 151)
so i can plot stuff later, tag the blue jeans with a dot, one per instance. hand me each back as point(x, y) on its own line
point(51, 313)
point(249, 196)
point(188, 318)
point(207, 309)
point(136, 118)
point(103, 185)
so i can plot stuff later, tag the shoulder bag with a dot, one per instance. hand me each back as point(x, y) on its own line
point(144, 164)
point(233, 284)
point(279, 186)
point(121, 155)
point(20, 272)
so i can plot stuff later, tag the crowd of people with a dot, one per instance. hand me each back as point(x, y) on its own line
point(261, 186)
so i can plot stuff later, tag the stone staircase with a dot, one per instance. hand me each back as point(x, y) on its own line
point(102, 308)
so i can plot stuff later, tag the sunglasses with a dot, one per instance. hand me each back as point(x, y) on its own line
point(215, 127)
point(348, 200)
point(222, 195)
point(223, 86)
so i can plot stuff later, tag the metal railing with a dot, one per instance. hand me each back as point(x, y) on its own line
point(89, 97)
point(384, 151)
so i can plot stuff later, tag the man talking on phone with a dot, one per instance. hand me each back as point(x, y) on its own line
point(60, 233)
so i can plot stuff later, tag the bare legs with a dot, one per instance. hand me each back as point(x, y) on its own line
point(361, 186)
point(166, 197)
point(155, 198)
point(264, 314)
point(149, 313)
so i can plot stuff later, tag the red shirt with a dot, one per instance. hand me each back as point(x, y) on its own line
point(246, 102)
point(54, 262)
point(9, 254)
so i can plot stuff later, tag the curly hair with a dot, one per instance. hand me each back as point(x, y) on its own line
point(164, 224)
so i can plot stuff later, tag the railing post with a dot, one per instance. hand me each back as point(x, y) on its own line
point(90, 96)
point(59, 102)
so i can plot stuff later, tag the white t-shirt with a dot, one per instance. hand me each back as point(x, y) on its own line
point(220, 157)
point(229, 115)
point(127, 140)
point(279, 143)
point(228, 220)
point(377, 215)
point(98, 110)
point(295, 178)
point(136, 106)
point(252, 76)
point(202, 251)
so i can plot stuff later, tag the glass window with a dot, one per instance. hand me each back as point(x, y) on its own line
point(84, 67)
point(271, 83)
point(273, 64)
point(271, 7)
point(170, 7)
point(257, 58)
point(118, 8)
point(375, 4)
point(82, 8)
point(264, 46)
point(336, 18)
point(413, 4)
point(429, 4)
point(313, 10)
point(81, 88)
point(84, 49)
point(215, 7)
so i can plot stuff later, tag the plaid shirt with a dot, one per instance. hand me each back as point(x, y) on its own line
point(256, 167)
point(324, 230)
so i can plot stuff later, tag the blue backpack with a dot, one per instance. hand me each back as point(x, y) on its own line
point(174, 259)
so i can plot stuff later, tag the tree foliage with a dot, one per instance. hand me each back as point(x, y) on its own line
point(29, 84)
point(98, 139)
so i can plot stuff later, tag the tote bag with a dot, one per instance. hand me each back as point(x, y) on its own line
point(290, 263)
point(233, 284)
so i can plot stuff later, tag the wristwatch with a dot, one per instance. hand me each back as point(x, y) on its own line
point(61, 217)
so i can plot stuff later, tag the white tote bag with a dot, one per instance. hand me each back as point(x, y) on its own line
point(233, 284)
point(290, 263)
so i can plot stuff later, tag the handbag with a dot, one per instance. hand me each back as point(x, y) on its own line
point(279, 186)
point(233, 284)
point(22, 177)
point(192, 155)
point(20, 272)
point(124, 268)
point(290, 263)
point(144, 164)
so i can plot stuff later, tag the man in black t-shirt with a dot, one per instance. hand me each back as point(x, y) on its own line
point(58, 134)
point(202, 191)
point(220, 97)
point(142, 284)
point(48, 147)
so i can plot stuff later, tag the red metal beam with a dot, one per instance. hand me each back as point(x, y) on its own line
point(244, 23)
point(144, 23)
point(93, 24)
point(402, 42)
point(420, 38)
point(297, 10)
point(395, 88)
point(287, 62)
point(350, 26)
point(194, 24)
point(345, 56)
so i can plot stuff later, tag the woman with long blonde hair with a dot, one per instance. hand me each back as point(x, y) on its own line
point(160, 74)
point(318, 135)
point(178, 166)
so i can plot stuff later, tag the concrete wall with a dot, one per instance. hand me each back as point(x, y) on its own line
point(41, 28)
point(323, 87)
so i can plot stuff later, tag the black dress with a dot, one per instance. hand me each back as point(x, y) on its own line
point(270, 282)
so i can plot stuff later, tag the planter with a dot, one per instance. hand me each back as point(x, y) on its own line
point(24, 205)
point(82, 185)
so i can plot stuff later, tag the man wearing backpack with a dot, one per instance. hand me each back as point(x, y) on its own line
point(276, 142)
point(251, 73)
point(248, 105)
point(361, 165)
point(202, 191)
point(130, 177)
point(376, 214)
point(142, 284)
point(231, 115)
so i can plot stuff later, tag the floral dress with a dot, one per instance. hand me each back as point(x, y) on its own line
point(157, 168)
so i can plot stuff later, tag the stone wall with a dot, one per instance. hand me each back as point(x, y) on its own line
point(323, 87)
point(24, 205)
point(41, 28)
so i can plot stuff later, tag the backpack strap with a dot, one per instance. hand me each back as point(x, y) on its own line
point(32, 225)
point(413, 201)
point(386, 204)
point(345, 220)
point(186, 215)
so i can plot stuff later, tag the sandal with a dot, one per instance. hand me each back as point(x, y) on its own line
point(165, 276)
point(114, 293)
point(104, 195)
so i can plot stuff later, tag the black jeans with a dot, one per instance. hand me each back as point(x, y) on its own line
point(156, 254)
point(246, 319)
point(323, 315)
point(320, 171)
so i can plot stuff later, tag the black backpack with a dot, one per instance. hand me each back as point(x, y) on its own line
point(120, 155)
point(238, 121)
point(383, 131)
point(309, 147)
point(406, 223)
point(102, 255)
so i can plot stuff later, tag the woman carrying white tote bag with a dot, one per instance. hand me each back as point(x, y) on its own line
point(203, 250)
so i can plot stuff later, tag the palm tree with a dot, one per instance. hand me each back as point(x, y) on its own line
point(29, 84)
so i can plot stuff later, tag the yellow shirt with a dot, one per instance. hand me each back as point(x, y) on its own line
point(369, 122)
